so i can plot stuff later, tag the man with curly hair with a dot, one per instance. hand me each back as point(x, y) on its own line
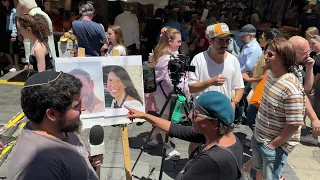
point(48, 147)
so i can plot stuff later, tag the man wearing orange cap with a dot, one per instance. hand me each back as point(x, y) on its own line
point(217, 69)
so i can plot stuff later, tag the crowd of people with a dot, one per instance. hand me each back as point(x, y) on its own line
point(272, 82)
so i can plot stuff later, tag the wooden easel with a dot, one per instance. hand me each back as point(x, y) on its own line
point(124, 135)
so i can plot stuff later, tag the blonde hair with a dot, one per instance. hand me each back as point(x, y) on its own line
point(312, 31)
point(118, 33)
point(163, 46)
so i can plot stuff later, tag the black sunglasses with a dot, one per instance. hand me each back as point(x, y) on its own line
point(269, 54)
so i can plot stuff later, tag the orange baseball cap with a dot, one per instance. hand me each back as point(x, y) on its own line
point(218, 30)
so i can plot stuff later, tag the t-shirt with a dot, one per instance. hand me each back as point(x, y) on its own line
point(258, 71)
point(202, 164)
point(39, 157)
point(90, 36)
point(316, 66)
point(283, 102)
point(121, 50)
point(206, 68)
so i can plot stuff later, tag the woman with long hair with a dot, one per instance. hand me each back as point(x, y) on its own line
point(11, 42)
point(36, 28)
point(115, 38)
point(168, 46)
point(120, 86)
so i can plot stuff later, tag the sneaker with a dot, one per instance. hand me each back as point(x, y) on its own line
point(309, 139)
point(13, 70)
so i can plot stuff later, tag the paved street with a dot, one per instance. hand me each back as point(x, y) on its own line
point(302, 162)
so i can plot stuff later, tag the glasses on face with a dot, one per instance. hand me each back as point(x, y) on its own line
point(195, 115)
point(269, 54)
point(223, 41)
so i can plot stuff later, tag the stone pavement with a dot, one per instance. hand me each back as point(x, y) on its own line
point(302, 162)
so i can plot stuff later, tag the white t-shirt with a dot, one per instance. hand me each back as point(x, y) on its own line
point(206, 68)
point(121, 49)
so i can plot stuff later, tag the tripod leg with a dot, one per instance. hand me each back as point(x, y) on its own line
point(142, 149)
point(171, 98)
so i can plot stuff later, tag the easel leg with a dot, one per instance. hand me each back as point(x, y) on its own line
point(126, 151)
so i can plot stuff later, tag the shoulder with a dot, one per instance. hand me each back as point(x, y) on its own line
point(292, 84)
point(199, 57)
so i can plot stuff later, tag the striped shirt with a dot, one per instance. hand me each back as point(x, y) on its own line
point(283, 102)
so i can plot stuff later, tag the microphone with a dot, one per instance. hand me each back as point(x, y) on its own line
point(96, 140)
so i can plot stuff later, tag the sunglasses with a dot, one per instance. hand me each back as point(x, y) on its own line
point(270, 54)
point(222, 41)
point(195, 115)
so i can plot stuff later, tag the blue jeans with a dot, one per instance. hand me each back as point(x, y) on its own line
point(251, 116)
point(269, 161)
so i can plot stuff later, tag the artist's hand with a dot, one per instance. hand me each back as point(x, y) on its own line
point(96, 160)
point(315, 128)
point(309, 62)
point(218, 80)
point(132, 114)
point(13, 39)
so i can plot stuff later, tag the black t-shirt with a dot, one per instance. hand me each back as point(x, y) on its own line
point(316, 66)
point(202, 164)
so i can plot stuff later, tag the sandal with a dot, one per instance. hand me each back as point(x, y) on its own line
point(172, 154)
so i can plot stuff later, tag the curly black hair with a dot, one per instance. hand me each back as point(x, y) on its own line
point(59, 94)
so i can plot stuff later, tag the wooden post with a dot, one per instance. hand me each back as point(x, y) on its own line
point(125, 140)
point(126, 151)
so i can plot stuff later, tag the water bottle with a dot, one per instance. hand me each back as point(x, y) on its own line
point(178, 109)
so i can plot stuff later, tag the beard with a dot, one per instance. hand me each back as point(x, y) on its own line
point(73, 127)
point(89, 101)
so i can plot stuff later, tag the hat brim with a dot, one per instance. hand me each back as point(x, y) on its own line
point(225, 35)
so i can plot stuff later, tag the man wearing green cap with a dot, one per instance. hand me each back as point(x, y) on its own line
point(48, 147)
point(220, 152)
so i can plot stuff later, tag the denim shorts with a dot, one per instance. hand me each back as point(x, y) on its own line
point(269, 161)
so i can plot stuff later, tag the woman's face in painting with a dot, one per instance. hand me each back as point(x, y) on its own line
point(115, 86)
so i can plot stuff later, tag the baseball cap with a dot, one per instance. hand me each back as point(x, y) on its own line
point(249, 28)
point(218, 30)
point(216, 105)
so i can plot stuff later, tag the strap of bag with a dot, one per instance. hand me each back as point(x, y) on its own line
point(234, 157)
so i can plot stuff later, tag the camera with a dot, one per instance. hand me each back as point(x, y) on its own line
point(178, 66)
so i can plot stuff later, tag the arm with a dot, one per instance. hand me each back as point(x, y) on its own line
point(14, 27)
point(203, 167)
point(40, 54)
point(237, 83)
point(309, 76)
point(251, 79)
point(312, 116)
point(40, 170)
point(136, 33)
point(250, 62)
point(294, 111)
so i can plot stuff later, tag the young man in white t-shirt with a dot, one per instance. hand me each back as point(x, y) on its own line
point(216, 69)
